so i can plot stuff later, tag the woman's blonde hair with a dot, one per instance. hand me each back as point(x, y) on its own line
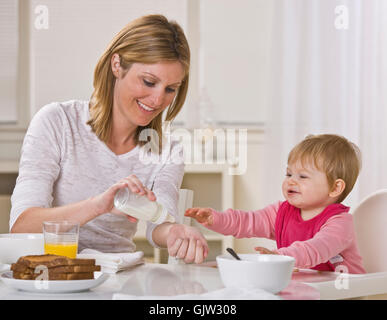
point(332, 154)
point(148, 39)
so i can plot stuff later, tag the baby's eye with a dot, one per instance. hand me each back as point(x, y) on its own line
point(303, 177)
point(288, 175)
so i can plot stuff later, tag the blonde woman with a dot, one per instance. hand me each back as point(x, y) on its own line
point(77, 154)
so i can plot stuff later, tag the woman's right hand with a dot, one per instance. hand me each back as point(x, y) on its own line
point(201, 215)
point(104, 202)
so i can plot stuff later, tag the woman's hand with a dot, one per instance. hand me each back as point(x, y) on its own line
point(135, 185)
point(186, 243)
point(104, 202)
point(201, 215)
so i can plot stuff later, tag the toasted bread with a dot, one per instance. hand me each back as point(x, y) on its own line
point(59, 269)
point(50, 260)
point(55, 276)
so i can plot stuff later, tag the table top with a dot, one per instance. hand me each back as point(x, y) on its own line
point(152, 280)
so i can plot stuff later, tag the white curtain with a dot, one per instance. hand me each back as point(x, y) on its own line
point(328, 77)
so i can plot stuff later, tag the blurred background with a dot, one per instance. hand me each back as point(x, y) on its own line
point(281, 69)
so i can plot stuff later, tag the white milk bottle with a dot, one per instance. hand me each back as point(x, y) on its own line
point(141, 207)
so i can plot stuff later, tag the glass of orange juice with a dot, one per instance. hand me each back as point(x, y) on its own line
point(61, 238)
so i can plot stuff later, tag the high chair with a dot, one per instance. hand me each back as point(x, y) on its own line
point(370, 221)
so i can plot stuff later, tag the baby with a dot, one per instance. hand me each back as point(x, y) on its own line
point(311, 225)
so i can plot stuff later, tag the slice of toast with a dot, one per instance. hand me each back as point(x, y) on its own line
point(50, 260)
point(55, 276)
point(18, 267)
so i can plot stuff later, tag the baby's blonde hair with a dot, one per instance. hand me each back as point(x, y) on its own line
point(334, 155)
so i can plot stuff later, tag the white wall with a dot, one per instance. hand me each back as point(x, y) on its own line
point(229, 40)
point(8, 59)
point(63, 56)
point(249, 187)
point(234, 58)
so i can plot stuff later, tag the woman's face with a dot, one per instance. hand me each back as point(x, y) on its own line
point(145, 91)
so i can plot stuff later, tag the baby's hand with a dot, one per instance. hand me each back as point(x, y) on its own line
point(201, 215)
point(263, 250)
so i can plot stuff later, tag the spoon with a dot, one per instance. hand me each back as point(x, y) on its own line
point(233, 253)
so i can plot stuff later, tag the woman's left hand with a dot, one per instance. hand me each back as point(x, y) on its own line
point(187, 243)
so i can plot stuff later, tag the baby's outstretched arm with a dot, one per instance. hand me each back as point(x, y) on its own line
point(201, 215)
point(263, 250)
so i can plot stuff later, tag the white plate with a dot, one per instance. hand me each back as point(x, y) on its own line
point(53, 286)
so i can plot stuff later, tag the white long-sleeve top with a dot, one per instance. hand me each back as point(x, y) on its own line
point(63, 161)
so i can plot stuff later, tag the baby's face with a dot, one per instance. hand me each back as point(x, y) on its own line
point(305, 186)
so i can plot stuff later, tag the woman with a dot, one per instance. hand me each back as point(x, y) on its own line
point(75, 152)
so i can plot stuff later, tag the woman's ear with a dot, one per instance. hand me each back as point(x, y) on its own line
point(116, 65)
point(337, 188)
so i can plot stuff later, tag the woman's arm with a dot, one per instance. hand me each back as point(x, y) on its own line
point(31, 220)
point(38, 170)
point(43, 149)
point(184, 242)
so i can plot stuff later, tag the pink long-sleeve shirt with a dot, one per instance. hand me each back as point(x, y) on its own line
point(335, 241)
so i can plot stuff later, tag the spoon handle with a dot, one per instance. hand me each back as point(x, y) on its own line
point(233, 253)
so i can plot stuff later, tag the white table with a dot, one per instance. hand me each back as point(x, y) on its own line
point(333, 286)
point(168, 280)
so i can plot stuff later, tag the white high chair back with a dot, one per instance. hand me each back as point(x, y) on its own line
point(185, 202)
point(370, 220)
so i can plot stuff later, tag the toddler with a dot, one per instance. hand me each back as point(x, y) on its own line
point(311, 225)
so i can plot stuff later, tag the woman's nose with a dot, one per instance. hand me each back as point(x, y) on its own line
point(157, 99)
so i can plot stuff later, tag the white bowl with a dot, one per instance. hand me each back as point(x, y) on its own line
point(15, 245)
point(269, 272)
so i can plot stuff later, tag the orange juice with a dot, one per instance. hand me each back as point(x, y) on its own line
point(61, 249)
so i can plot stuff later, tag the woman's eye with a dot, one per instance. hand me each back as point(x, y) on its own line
point(148, 83)
point(170, 90)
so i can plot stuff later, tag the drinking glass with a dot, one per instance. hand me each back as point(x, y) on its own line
point(61, 238)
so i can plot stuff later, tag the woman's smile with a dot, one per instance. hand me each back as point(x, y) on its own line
point(144, 107)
